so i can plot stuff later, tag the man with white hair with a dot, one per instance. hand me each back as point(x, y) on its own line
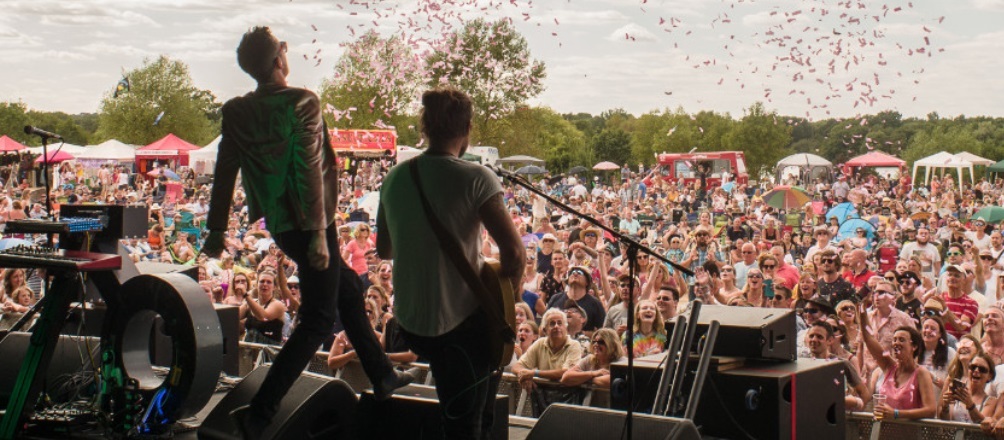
point(548, 357)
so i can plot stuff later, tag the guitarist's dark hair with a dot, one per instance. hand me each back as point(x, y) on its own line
point(446, 114)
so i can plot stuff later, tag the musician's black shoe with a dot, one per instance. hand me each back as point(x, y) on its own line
point(395, 380)
point(248, 425)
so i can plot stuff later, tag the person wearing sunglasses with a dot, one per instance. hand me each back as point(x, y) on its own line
point(978, 234)
point(967, 401)
point(832, 286)
point(960, 309)
point(885, 318)
point(908, 387)
point(907, 301)
point(605, 349)
point(579, 282)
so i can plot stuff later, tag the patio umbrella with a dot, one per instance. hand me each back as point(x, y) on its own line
point(530, 170)
point(922, 216)
point(370, 202)
point(842, 211)
point(786, 197)
point(728, 186)
point(991, 214)
point(849, 229)
point(577, 169)
point(606, 166)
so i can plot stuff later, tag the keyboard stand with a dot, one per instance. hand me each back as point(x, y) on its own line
point(56, 304)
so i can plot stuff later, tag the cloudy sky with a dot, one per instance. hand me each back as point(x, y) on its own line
point(801, 57)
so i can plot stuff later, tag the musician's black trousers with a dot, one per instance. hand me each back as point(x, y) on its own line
point(460, 362)
point(320, 293)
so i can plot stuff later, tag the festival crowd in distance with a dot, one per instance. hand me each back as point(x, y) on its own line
point(900, 281)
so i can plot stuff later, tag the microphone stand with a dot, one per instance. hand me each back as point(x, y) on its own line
point(48, 180)
point(633, 247)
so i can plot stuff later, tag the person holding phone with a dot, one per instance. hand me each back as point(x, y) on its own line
point(967, 400)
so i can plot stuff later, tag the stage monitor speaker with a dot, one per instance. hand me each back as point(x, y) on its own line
point(73, 362)
point(802, 399)
point(315, 407)
point(560, 421)
point(414, 413)
point(749, 332)
point(160, 342)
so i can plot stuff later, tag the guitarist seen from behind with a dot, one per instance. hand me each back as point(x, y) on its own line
point(441, 316)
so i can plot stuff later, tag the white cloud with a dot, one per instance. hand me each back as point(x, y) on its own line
point(632, 32)
point(989, 5)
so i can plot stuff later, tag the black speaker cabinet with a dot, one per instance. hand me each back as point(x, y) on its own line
point(560, 421)
point(750, 332)
point(413, 413)
point(763, 400)
point(160, 342)
point(315, 406)
point(75, 359)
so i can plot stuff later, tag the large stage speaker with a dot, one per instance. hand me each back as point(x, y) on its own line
point(802, 399)
point(560, 421)
point(414, 413)
point(315, 407)
point(750, 332)
point(74, 361)
point(160, 342)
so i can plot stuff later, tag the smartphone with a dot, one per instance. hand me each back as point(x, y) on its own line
point(958, 384)
point(768, 288)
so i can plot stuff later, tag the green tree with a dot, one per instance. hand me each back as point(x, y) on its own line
point(762, 136)
point(612, 145)
point(544, 134)
point(491, 62)
point(59, 122)
point(13, 118)
point(375, 83)
point(159, 86)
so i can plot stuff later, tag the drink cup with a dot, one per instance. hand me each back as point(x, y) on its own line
point(878, 400)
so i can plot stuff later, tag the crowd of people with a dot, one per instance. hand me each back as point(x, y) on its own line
point(911, 304)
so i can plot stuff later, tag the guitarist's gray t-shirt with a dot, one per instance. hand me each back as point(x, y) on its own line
point(430, 296)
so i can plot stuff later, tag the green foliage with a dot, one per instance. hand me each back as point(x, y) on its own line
point(375, 83)
point(161, 85)
point(612, 144)
point(58, 122)
point(762, 135)
point(490, 61)
point(13, 118)
point(542, 133)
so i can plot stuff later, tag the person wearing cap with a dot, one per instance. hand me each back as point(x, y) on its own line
point(578, 283)
point(908, 302)
point(577, 317)
point(816, 309)
point(548, 244)
point(978, 234)
point(960, 309)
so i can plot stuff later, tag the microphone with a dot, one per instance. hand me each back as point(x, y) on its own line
point(44, 134)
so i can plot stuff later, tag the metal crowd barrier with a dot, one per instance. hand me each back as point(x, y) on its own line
point(862, 425)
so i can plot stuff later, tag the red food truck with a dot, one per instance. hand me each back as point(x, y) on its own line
point(687, 167)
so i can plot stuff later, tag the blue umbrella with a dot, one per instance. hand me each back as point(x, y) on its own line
point(728, 186)
point(848, 229)
point(842, 212)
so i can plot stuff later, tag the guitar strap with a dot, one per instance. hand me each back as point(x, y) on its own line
point(452, 249)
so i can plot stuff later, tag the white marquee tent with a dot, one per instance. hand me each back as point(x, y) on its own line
point(108, 151)
point(809, 167)
point(942, 161)
point(203, 160)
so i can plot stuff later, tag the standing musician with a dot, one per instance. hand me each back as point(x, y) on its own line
point(440, 316)
point(275, 136)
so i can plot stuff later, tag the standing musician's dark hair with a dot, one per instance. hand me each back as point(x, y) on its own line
point(446, 114)
point(256, 52)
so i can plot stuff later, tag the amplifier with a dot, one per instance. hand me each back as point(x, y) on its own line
point(750, 332)
point(802, 399)
point(414, 413)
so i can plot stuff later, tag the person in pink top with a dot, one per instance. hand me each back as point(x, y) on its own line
point(908, 387)
point(354, 252)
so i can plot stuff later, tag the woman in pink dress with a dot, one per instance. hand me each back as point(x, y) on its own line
point(908, 387)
